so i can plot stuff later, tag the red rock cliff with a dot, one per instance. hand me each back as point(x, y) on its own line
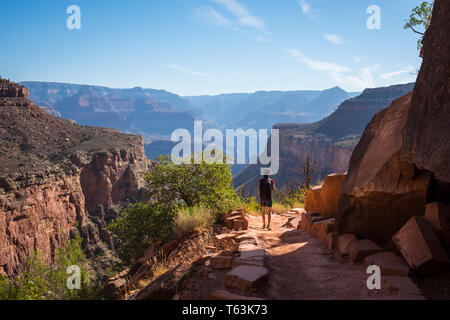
point(59, 180)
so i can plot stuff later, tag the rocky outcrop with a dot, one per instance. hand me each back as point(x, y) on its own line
point(59, 180)
point(382, 192)
point(9, 89)
point(324, 198)
point(420, 246)
point(329, 143)
point(427, 129)
point(401, 162)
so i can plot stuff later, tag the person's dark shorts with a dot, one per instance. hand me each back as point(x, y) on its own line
point(266, 203)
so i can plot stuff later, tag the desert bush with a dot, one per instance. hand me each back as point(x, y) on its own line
point(191, 219)
point(252, 207)
point(141, 225)
point(208, 185)
point(180, 198)
point(41, 281)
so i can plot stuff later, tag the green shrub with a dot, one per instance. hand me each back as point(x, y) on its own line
point(141, 225)
point(290, 198)
point(191, 219)
point(252, 206)
point(41, 281)
point(208, 185)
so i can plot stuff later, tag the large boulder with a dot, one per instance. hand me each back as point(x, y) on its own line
point(427, 130)
point(401, 161)
point(382, 192)
point(324, 199)
point(420, 246)
point(438, 216)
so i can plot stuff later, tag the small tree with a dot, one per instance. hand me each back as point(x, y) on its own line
point(141, 225)
point(420, 17)
point(304, 176)
point(191, 185)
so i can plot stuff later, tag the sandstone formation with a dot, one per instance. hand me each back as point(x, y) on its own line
point(324, 198)
point(382, 192)
point(59, 180)
point(427, 129)
point(401, 162)
point(438, 216)
point(329, 143)
point(420, 246)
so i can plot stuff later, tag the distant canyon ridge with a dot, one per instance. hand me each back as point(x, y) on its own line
point(155, 114)
point(325, 124)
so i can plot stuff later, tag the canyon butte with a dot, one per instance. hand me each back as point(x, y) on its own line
point(59, 180)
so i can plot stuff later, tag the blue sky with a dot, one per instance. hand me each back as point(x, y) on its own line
point(194, 47)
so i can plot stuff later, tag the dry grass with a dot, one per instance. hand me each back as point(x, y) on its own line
point(191, 220)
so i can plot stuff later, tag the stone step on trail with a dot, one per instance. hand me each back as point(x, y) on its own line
point(293, 222)
point(344, 242)
point(246, 279)
point(389, 263)
point(298, 211)
point(401, 288)
point(331, 240)
point(220, 262)
point(360, 249)
point(250, 254)
point(245, 236)
point(309, 218)
point(321, 228)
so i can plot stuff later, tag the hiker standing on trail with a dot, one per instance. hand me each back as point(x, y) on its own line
point(265, 188)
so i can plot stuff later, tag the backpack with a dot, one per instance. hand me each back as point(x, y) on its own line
point(265, 189)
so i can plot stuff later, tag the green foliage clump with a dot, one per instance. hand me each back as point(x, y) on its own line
point(208, 185)
point(420, 16)
point(180, 199)
point(191, 219)
point(141, 225)
point(41, 281)
point(291, 197)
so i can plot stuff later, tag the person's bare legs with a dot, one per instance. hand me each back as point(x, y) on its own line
point(269, 217)
point(263, 209)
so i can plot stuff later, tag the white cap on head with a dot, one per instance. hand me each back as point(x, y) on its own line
point(267, 172)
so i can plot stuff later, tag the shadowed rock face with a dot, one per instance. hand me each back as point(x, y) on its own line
point(427, 141)
point(401, 162)
point(382, 192)
point(59, 180)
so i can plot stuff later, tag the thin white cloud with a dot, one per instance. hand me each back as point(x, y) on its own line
point(333, 38)
point(344, 76)
point(189, 71)
point(388, 76)
point(317, 64)
point(214, 17)
point(361, 80)
point(242, 14)
point(305, 5)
